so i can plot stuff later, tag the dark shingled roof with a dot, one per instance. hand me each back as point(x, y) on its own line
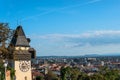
point(19, 38)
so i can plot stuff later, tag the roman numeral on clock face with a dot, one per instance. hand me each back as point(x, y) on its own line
point(24, 66)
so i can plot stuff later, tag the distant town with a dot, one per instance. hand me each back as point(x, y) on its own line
point(47, 66)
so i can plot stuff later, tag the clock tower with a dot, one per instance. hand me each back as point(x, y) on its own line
point(20, 55)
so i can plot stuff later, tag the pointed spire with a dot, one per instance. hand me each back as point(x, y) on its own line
point(19, 39)
point(19, 31)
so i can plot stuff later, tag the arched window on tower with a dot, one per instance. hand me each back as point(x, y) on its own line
point(25, 77)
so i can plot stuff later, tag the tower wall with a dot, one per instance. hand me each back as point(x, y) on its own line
point(21, 75)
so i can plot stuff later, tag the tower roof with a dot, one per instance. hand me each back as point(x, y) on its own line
point(19, 31)
point(19, 38)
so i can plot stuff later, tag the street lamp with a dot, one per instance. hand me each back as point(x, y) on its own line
point(0, 75)
point(5, 65)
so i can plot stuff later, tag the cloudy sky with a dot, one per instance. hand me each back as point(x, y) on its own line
point(66, 27)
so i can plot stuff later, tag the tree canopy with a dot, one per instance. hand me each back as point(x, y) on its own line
point(5, 37)
point(68, 73)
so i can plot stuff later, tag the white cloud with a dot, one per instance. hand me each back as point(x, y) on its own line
point(85, 43)
point(90, 34)
point(92, 38)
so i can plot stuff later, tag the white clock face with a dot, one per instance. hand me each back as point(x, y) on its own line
point(24, 66)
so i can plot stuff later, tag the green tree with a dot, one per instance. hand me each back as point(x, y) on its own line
point(75, 72)
point(1, 72)
point(69, 73)
point(5, 36)
point(39, 78)
point(51, 76)
point(12, 73)
point(63, 73)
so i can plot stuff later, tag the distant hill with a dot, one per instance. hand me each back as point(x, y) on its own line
point(92, 55)
point(87, 55)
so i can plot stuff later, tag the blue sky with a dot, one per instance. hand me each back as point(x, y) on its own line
point(66, 27)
